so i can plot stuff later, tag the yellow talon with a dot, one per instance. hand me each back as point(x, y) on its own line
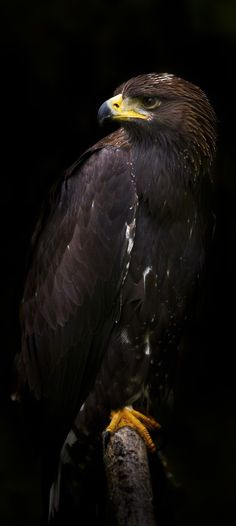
point(136, 420)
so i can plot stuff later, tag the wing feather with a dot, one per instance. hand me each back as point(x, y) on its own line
point(72, 291)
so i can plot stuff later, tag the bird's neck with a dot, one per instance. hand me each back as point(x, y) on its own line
point(165, 173)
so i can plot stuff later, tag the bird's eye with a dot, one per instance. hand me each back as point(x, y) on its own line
point(150, 103)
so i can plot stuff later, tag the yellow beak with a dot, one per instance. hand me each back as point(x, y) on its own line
point(121, 109)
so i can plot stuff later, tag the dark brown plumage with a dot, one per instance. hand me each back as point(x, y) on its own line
point(116, 259)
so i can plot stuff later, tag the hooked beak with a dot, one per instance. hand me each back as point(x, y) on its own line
point(119, 108)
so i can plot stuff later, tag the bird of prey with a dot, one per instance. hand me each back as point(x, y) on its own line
point(116, 259)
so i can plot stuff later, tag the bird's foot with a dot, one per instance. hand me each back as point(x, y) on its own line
point(136, 420)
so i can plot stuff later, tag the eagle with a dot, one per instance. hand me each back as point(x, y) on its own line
point(116, 261)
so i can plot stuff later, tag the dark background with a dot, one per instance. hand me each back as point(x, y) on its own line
point(59, 61)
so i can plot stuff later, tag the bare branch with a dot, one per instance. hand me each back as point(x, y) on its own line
point(128, 478)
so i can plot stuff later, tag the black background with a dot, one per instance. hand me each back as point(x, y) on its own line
point(59, 61)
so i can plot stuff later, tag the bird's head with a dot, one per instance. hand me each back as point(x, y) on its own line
point(164, 107)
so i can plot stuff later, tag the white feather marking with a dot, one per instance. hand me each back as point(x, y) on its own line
point(147, 349)
point(129, 234)
point(71, 438)
point(146, 271)
point(145, 274)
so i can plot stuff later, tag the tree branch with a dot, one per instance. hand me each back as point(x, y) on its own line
point(128, 478)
